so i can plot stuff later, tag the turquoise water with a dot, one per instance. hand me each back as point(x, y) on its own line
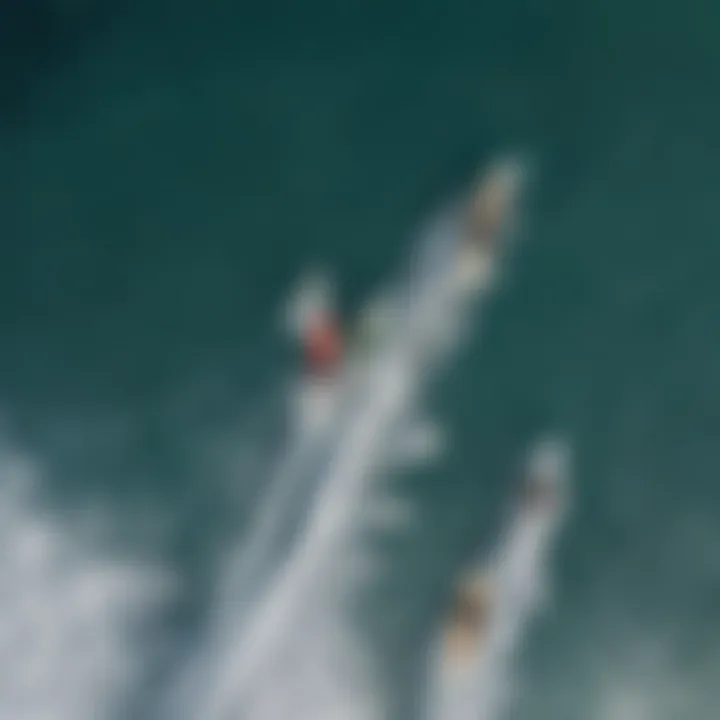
point(167, 170)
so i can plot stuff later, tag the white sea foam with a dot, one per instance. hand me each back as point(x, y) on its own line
point(72, 620)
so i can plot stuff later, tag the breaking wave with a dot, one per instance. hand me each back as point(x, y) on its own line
point(74, 622)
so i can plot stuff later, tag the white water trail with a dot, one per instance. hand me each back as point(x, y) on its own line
point(298, 653)
point(523, 585)
point(518, 573)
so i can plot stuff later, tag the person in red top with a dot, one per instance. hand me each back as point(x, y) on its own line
point(322, 352)
point(322, 343)
point(315, 324)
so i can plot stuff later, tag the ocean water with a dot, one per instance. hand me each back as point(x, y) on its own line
point(168, 169)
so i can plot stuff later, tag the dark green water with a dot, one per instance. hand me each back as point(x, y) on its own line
point(168, 168)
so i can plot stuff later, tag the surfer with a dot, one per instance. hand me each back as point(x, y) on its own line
point(487, 218)
point(468, 619)
point(314, 322)
point(479, 593)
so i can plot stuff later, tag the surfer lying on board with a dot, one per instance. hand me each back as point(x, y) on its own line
point(477, 594)
point(488, 218)
point(468, 619)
